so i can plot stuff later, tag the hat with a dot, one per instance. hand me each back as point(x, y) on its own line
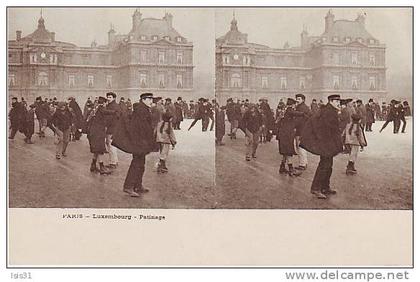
point(229, 100)
point(370, 100)
point(111, 94)
point(61, 104)
point(334, 97)
point(32, 106)
point(38, 98)
point(300, 95)
point(102, 100)
point(179, 98)
point(393, 101)
point(345, 101)
point(145, 95)
point(156, 99)
point(191, 101)
point(359, 101)
point(122, 99)
point(168, 99)
point(201, 100)
point(290, 101)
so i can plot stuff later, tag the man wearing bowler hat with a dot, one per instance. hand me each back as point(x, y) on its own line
point(321, 136)
point(142, 142)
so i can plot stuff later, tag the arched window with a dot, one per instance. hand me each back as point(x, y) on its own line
point(42, 79)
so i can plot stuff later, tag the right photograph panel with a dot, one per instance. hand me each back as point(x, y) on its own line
point(314, 108)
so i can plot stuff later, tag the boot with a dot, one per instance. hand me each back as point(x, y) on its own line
point(159, 167)
point(93, 167)
point(350, 168)
point(103, 170)
point(292, 171)
point(282, 169)
point(164, 168)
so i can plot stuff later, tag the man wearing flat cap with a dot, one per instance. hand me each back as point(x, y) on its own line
point(141, 142)
point(321, 136)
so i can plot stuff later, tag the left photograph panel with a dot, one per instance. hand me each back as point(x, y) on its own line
point(111, 108)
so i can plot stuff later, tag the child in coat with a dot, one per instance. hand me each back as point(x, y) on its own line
point(165, 137)
point(355, 138)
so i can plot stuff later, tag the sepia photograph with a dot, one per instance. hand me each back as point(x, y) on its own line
point(316, 108)
point(111, 108)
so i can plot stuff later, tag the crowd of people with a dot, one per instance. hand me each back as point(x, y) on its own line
point(136, 128)
point(324, 129)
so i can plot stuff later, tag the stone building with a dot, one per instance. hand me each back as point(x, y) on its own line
point(153, 57)
point(345, 59)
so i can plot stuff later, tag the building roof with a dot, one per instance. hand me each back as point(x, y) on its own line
point(347, 28)
point(151, 26)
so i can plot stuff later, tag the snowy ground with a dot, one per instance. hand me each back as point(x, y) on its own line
point(384, 179)
point(202, 176)
point(37, 179)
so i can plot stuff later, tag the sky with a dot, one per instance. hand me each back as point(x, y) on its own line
point(83, 25)
point(275, 26)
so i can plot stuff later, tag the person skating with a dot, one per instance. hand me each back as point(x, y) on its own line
point(391, 115)
point(16, 117)
point(165, 138)
point(286, 134)
point(29, 124)
point(113, 114)
point(220, 124)
point(321, 136)
point(370, 115)
point(62, 121)
point(355, 138)
point(252, 125)
point(96, 134)
point(300, 123)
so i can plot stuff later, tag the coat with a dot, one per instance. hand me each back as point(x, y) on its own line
point(78, 115)
point(114, 113)
point(178, 112)
point(220, 123)
point(351, 138)
point(286, 131)
point(361, 111)
point(134, 133)
point(62, 119)
point(344, 118)
point(370, 113)
point(165, 133)
point(301, 120)
point(96, 130)
point(30, 122)
point(321, 134)
point(252, 123)
point(16, 115)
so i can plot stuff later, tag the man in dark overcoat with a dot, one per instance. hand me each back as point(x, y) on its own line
point(391, 115)
point(78, 118)
point(370, 115)
point(321, 136)
point(178, 118)
point(16, 117)
point(141, 142)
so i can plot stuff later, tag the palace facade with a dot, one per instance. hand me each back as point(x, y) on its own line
point(345, 59)
point(152, 57)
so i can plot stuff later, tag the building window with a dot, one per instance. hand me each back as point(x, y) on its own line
point(143, 56)
point(154, 37)
point(335, 39)
point(360, 40)
point(90, 80)
point(302, 82)
point(336, 82)
point(142, 37)
point(51, 59)
point(161, 80)
point(371, 41)
point(264, 82)
point(336, 58)
point(246, 60)
point(324, 39)
point(143, 80)
point(372, 59)
point(283, 82)
point(179, 58)
point(179, 81)
point(372, 83)
point(33, 58)
point(42, 79)
point(71, 80)
point(236, 80)
point(179, 39)
point(12, 80)
point(347, 39)
point(167, 38)
point(354, 58)
point(226, 59)
point(109, 81)
point(354, 83)
point(161, 57)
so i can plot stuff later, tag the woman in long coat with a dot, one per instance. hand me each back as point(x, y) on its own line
point(96, 124)
point(286, 131)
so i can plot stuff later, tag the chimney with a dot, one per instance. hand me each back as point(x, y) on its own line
point(168, 18)
point(361, 19)
point(329, 21)
point(18, 35)
point(52, 36)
